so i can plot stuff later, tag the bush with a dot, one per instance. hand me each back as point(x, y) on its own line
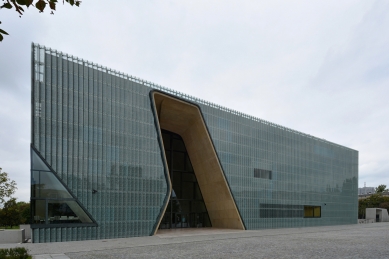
point(14, 253)
point(373, 201)
point(384, 205)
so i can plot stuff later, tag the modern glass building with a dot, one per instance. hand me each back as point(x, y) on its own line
point(115, 156)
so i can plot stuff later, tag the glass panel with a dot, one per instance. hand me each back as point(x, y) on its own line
point(317, 212)
point(37, 163)
point(180, 220)
point(35, 184)
point(44, 184)
point(187, 190)
point(61, 212)
point(173, 195)
point(176, 220)
point(186, 207)
point(198, 206)
point(261, 173)
point(166, 220)
point(48, 186)
point(178, 145)
point(166, 140)
point(176, 178)
point(179, 161)
point(197, 193)
point(308, 211)
point(188, 177)
point(38, 211)
point(266, 174)
point(177, 190)
point(188, 165)
point(207, 221)
point(176, 206)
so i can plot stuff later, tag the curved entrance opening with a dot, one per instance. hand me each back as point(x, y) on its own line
point(185, 119)
point(186, 208)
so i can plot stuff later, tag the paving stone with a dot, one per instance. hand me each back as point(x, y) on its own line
point(51, 256)
point(345, 241)
point(59, 256)
point(42, 257)
point(323, 243)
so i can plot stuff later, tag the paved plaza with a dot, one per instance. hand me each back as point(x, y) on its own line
point(346, 241)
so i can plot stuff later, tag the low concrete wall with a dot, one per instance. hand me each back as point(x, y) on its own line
point(27, 230)
point(12, 236)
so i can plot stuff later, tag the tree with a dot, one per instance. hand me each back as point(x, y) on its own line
point(381, 188)
point(15, 213)
point(373, 201)
point(384, 205)
point(10, 215)
point(24, 211)
point(19, 6)
point(7, 186)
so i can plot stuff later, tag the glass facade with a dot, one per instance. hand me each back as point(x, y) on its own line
point(186, 208)
point(305, 171)
point(96, 129)
point(51, 202)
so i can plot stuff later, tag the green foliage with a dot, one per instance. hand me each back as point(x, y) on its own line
point(10, 215)
point(381, 188)
point(384, 205)
point(24, 210)
point(41, 5)
point(14, 253)
point(7, 186)
point(14, 213)
point(13, 227)
point(373, 201)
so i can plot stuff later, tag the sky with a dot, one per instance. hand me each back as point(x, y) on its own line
point(319, 67)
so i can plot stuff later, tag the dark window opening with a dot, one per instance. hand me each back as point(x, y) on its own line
point(261, 173)
point(280, 211)
point(312, 211)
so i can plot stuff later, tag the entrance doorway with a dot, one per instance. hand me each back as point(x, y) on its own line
point(186, 208)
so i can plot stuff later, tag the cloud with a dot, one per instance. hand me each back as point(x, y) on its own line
point(353, 82)
point(320, 68)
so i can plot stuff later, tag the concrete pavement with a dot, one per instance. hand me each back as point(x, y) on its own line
point(345, 241)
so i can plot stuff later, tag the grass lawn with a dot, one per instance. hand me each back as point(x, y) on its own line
point(7, 227)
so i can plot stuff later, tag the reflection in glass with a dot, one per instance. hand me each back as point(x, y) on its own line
point(37, 163)
point(51, 202)
point(178, 145)
point(66, 212)
point(186, 208)
point(312, 211)
point(179, 161)
point(46, 185)
point(38, 211)
point(308, 211)
point(317, 212)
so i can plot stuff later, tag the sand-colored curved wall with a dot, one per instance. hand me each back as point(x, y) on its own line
point(186, 120)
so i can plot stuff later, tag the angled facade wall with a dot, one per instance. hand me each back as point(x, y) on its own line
point(305, 171)
point(97, 132)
